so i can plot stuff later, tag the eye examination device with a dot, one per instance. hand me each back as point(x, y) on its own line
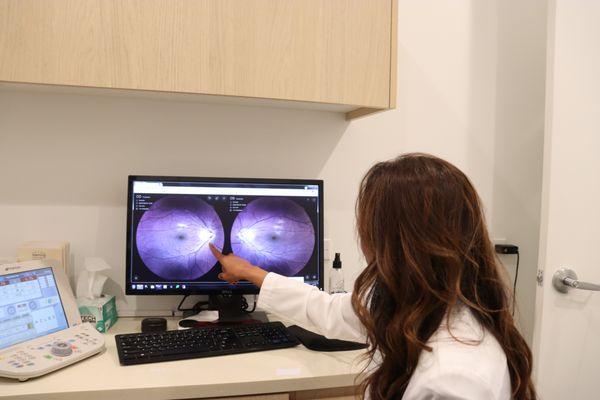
point(40, 325)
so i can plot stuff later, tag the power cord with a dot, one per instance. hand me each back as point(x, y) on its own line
point(196, 308)
point(511, 249)
point(181, 303)
point(515, 284)
point(245, 305)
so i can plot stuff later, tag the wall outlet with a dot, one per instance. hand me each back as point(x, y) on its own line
point(327, 250)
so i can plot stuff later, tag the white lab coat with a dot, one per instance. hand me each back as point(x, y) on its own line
point(473, 370)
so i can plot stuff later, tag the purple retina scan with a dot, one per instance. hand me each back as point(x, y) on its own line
point(173, 236)
point(274, 233)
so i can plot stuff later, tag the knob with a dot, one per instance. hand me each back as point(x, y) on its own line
point(61, 349)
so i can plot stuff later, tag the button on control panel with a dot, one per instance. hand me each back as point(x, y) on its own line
point(61, 349)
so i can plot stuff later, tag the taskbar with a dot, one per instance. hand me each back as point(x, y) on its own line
point(158, 287)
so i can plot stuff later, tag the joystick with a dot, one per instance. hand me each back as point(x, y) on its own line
point(61, 349)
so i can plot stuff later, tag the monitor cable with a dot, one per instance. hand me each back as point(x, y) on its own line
point(196, 308)
point(245, 305)
point(204, 305)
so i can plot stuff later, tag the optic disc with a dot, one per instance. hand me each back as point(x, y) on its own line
point(173, 236)
point(274, 233)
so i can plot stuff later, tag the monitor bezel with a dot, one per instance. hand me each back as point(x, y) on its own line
point(227, 288)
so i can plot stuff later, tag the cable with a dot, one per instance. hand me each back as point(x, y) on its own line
point(196, 308)
point(507, 249)
point(515, 285)
point(245, 305)
point(181, 303)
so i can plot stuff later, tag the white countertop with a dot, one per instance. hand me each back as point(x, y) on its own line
point(102, 377)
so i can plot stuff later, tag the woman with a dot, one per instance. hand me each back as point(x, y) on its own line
point(431, 303)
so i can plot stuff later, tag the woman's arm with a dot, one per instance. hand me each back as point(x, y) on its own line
point(330, 315)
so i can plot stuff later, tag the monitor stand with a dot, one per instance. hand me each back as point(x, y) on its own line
point(230, 310)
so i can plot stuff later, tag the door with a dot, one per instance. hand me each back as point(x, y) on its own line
point(567, 333)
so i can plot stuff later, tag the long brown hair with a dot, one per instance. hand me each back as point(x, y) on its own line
point(423, 233)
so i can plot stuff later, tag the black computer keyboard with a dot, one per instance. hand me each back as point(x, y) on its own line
point(141, 348)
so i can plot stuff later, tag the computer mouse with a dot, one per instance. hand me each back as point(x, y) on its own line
point(188, 323)
point(154, 325)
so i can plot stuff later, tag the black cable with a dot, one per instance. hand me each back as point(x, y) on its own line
point(253, 308)
point(515, 285)
point(181, 303)
point(196, 308)
point(245, 305)
point(507, 249)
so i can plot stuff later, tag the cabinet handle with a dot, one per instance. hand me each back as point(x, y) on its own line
point(565, 279)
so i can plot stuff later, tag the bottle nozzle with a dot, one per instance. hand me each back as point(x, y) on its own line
point(337, 262)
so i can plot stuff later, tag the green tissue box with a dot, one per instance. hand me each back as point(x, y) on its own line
point(101, 312)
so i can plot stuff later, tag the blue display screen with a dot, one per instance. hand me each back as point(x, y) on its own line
point(30, 306)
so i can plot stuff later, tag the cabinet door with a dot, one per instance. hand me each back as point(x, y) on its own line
point(328, 51)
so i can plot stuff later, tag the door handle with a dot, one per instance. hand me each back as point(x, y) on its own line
point(565, 279)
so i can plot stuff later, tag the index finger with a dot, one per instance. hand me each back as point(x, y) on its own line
point(218, 255)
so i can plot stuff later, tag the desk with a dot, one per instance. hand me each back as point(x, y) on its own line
point(296, 373)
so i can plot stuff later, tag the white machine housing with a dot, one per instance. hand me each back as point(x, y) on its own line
point(44, 354)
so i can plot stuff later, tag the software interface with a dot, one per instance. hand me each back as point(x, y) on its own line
point(274, 226)
point(30, 306)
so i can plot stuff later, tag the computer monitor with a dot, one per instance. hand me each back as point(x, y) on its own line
point(276, 224)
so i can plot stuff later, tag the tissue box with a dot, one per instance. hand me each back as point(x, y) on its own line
point(101, 312)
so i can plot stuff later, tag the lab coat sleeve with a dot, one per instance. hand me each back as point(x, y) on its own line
point(450, 385)
point(330, 315)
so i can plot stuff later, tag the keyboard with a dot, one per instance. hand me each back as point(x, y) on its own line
point(142, 348)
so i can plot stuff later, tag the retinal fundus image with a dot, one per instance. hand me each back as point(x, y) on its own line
point(274, 233)
point(173, 236)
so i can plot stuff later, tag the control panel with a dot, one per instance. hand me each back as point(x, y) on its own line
point(51, 352)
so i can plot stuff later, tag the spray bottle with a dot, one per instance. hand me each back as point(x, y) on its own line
point(336, 278)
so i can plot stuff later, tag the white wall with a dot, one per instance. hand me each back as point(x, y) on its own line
point(64, 161)
point(470, 73)
point(471, 90)
point(518, 144)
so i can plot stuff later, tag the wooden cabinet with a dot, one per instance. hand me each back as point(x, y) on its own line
point(330, 52)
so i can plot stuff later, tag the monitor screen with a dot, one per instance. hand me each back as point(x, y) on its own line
point(275, 224)
point(30, 306)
